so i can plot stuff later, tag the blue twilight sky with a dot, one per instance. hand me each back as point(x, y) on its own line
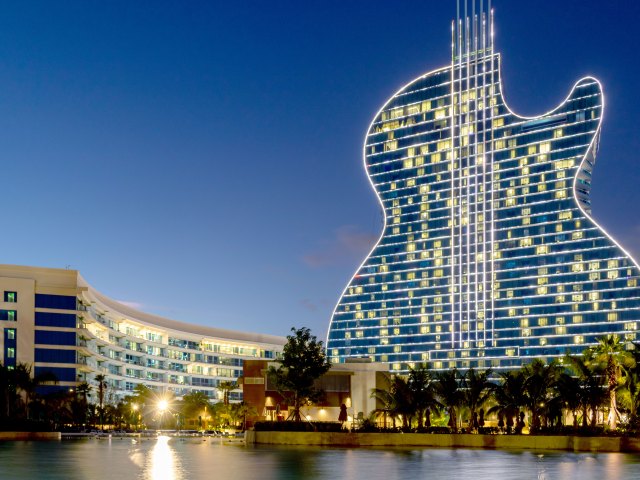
point(202, 160)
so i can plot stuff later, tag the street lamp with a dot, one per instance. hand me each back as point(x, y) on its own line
point(136, 415)
point(163, 405)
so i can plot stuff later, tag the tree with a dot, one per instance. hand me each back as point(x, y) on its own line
point(80, 404)
point(303, 361)
point(570, 393)
point(450, 395)
point(102, 386)
point(18, 389)
point(227, 387)
point(423, 392)
point(631, 387)
point(387, 402)
point(238, 413)
point(476, 391)
point(611, 354)
point(540, 380)
point(590, 378)
point(403, 404)
point(509, 398)
point(194, 406)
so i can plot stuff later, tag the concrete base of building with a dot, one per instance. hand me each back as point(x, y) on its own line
point(12, 436)
point(519, 442)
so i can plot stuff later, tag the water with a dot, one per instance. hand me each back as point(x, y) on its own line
point(185, 459)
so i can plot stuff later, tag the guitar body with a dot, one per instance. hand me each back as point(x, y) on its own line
point(489, 256)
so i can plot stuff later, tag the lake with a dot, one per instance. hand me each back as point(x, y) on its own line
point(166, 458)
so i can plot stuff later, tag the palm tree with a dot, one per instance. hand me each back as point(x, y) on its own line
point(80, 403)
point(611, 353)
point(423, 392)
point(194, 404)
point(226, 388)
point(18, 387)
point(403, 400)
point(590, 377)
point(570, 393)
point(102, 385)
point(396, 400)
point(540, 379)
point(386, 402)
point(449, 394)
point(631, 391)
point(476, 391)
point(240, 412)
point(509, 397)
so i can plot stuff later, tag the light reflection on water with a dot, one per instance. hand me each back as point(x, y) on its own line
point(162, 462)
point(168, 458)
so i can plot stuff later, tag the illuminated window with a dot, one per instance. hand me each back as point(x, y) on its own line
point(390, 145)
point(413, 109)
point(526, 242)
point(9, 315)
point(562, 164)
point(397, 112)
point(440, 113)
point(10, 297)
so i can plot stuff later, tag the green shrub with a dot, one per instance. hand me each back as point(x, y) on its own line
point(297, 427)
point(489, 430)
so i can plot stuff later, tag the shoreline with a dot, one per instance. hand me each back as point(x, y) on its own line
point(448, 440)
point(17, 436)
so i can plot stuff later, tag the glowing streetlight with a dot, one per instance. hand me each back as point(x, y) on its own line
point(135, 407)
point(163, 405)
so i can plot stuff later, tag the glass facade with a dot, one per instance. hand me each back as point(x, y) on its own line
point(489, 256)
point(67, 328)
point(132, 348)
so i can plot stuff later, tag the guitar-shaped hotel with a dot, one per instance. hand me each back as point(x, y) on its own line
point(489, 255)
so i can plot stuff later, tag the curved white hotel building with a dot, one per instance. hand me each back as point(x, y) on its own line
point(490, 255)
point(55, 321)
